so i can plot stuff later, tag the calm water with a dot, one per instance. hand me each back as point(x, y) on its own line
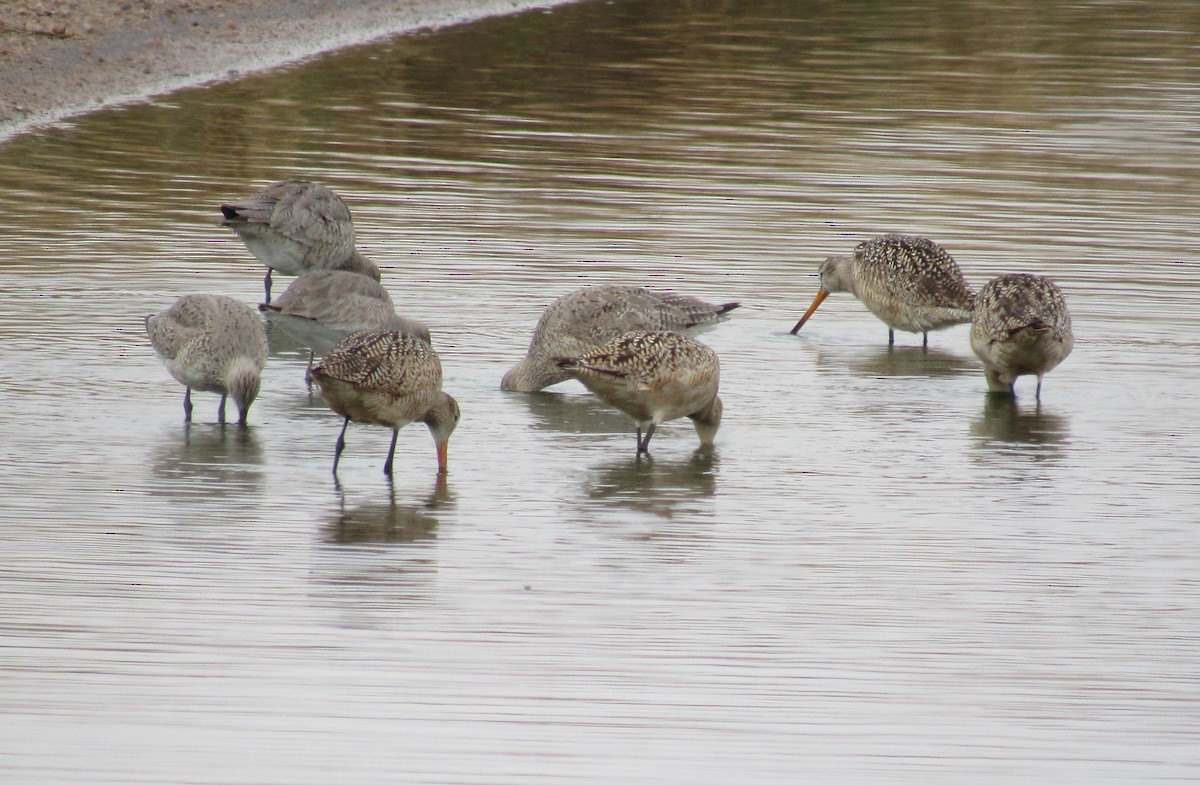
point(881, 576)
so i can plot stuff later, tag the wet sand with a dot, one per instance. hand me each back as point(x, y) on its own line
point(60, 58)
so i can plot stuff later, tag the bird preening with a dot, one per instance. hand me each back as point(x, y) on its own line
point(294, 226)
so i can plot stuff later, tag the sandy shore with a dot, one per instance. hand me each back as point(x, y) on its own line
point(64, 57)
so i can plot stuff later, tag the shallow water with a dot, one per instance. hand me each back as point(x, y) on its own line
point(881, 575)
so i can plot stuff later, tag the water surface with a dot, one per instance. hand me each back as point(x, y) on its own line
point(881, 575)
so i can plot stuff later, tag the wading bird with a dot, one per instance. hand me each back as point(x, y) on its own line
point(594, 315)
point(295, 226)
point(1021, 326)
point(344, 301)
point(212, 343)
point(654, 377)
point(910, 283)
point(390, 379)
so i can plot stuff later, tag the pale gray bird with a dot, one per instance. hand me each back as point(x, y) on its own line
point(654, 377)
point(344, 301)
point(387, 378)
point(1021, 326)
point(294, 226)
point(594, 315)
point(212, 343)
point(909, 283)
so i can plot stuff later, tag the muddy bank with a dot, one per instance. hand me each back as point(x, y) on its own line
point(60, 58)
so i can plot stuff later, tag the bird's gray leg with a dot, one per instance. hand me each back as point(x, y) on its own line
point(387, 465)
point(925, 340)
point(1038, 394)
point(267, 287)
point(221, 409)
point(340, 445)
point(644, 444)
point(891, 337)
point(187, 405)
point(308, 370)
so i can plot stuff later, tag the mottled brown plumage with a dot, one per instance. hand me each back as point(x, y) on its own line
point(390, 379)
point(1021, 326)
point(294, 226)
point(212, 343)
point(593, 315)
point(654, 377)
point(909, 283)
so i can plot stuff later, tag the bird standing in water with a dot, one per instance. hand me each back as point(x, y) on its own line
point(390, 379)
point(212, 343)
point(1021, 326)
point(654, 377)
point(910, 283)
point(296, 225)
point(343, 301)
point(594, 315)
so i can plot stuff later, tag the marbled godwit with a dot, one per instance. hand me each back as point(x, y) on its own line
point(212, 343)
point(910, 283)
point(654, 377)
point(1021, 326)
point(594, 315)
point(345, 302)
point(390, 379)
point(295, 226)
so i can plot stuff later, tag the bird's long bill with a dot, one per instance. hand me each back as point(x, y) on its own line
point(443, 452)
point(820, 298)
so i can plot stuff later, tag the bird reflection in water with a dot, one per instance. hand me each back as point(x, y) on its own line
point(193, 461)
point(1004, 424)
point(391, 521)
point(664, 488)
point(908, 361)
point(875, 362)
point(554, 411)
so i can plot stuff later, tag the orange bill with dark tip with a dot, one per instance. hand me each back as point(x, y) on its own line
point(820, 298)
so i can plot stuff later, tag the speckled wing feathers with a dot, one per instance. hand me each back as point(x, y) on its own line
point(596, 314)
point(654, 377)
point(393, 363)
point(1018, 301)
point(645, 357)
point(915, 270)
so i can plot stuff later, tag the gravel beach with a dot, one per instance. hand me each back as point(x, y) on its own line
point(64, 57)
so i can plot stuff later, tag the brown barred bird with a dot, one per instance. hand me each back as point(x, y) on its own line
point(1021, 326)
point(390, 379)
point(654, 377)
point(294, 226)
point(910, 283)
point(212, 343)
point(594, 315)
